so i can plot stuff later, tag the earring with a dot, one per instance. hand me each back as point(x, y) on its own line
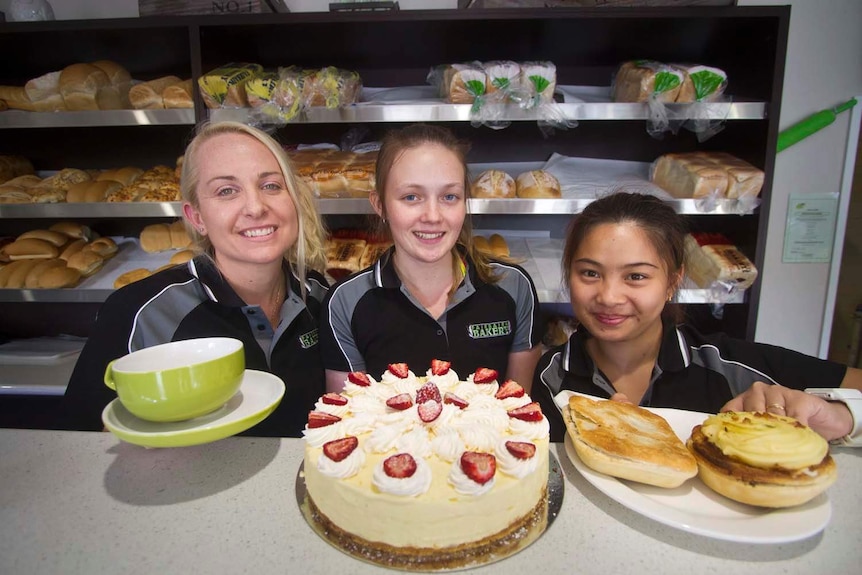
point(670, 298)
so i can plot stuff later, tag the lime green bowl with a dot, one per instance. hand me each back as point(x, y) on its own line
point(178, 380)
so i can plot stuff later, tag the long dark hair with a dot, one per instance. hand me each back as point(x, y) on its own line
point(665, 229)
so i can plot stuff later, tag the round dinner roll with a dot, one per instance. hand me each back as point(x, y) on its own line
point(538, 184)
point(493, 184)
point(50, 236)
point(125, 175)
point(481, 244)
point(86, 262)
point(789, 466)
point(25, 181)
point(179, 236)
point(498, 245)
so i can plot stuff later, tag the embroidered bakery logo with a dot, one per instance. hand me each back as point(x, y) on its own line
point(491, 329)
point(309, 339)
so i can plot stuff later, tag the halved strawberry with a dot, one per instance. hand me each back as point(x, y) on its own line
point(430, 410)
point(529, 412)
point(359, 378)
point(399, 466)
point(339, 449)
point(450, 397)
point(333, 399)
point(521, 449)
point(484, 375)
point(440, 367)
point(321, 419)
point(510, 388)
point(428, 392)
point(480, 467)
point(399, 370)
point(400, 402)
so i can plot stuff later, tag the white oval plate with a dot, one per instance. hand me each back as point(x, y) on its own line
point(696, 508)
point(258, 396)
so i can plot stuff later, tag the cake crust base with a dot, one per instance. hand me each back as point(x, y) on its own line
point(517, 536)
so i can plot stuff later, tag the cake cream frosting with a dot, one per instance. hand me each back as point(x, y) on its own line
point(477, 466)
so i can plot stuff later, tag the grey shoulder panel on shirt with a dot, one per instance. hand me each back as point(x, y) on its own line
point(739, 376)
point(552, 375)
point(157, 320)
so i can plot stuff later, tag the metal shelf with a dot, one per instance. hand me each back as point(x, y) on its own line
point(21, 119)
point(348, 206)
point(438, 111)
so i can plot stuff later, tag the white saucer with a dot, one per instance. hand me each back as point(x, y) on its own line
point(259, 394)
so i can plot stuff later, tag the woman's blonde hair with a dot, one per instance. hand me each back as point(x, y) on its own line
point(308, 250)
point(394, 144)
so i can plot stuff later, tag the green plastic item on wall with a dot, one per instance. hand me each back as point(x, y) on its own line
point(811, 124)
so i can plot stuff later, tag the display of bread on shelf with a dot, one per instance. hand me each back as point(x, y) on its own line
point(712, 258)
point(526, 83)
point(642, 80)
point(706, 175)
point(331, 173)
point(162, 93)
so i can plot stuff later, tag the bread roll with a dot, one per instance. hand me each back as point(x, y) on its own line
point(91, 191)
point(32, 279)
point(182, 257)
point(72, 230)
point(789, 465)
point(125, 175)
point(86, 262)
point(179, 95)
point(105, 248)
point(73, 248)
point(179, 236)
point(498, 245)
point(13, 275)
point(80, 86)
point(131, 277)
point(623, 440)
point(121, 82)
point(148, 95)
point(56, 238)
point(46, 196)
point(494, 184)
point(26, 181)
point(59, 277)
point(30, 248)
point(538, 184)
point(156, 238)
point(15, 97)
point(44, 86)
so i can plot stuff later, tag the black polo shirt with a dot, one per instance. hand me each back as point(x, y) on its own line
point(370, 320)
point(695, 372)
point(191, 301)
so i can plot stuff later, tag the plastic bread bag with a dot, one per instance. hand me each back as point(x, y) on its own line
point(703, 86)
point(655, 84)
point(330, 87)
point(502, 86)
point(260, 92)
point(537, 85)
point(224, 87)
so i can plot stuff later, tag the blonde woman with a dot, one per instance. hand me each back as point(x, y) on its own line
point(260, 242)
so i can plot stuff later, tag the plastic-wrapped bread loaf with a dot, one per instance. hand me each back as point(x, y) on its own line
point(501, 76)
point(224, 87)
point(687, 176)
point(539, 79)
point(713, 258)
point(639, 80)
point(700, 83)
point(744, 180)
point(462, 83)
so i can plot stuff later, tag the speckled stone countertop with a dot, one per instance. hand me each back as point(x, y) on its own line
point(78, 502)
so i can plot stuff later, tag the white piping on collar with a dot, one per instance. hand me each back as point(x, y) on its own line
point(683, 347)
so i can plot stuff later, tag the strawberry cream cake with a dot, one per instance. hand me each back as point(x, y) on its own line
point(427, 472)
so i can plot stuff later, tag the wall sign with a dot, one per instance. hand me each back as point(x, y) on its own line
point(810, 228)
